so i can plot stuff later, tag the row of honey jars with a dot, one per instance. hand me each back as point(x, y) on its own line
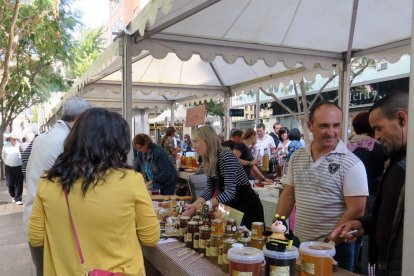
point(220, 227)
point(187, 161)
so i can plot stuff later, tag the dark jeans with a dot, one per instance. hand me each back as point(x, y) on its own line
point(345, 255)
point(14, 182)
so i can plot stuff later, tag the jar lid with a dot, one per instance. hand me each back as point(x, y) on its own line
point(237, 245)
point(245, 255)
point(184, 218)
point(291, 253)
point(216, 235)
point(230, 241)
point(193, 223)
point(318, 249)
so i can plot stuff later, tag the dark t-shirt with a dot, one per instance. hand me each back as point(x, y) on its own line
point(275, 138)
point(374, 164)
point(392, 183)
point(228, 144)
point(246, 154)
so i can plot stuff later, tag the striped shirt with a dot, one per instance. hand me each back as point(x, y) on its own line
point(231, 172)
point(320, 188)
point(25, 150)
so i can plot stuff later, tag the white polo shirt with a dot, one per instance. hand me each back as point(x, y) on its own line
point(262, 143)
point(320, 188)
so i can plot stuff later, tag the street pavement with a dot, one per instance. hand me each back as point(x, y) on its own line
point(15, 259)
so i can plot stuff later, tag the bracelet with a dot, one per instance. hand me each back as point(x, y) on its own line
point(250, 163)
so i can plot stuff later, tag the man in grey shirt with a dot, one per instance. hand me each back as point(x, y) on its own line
point(46, 148)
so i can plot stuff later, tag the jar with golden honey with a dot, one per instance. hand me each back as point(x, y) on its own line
point(216, 242)
point(258, 242)
point(217, 227)
point(205, 233)
point(220, 256)
point(208, 246)
point(196, 241)
point(231, 226)
point(183, 226)
point(183, 161)
point(192, 228)
point(226, 246)
point(257, 229)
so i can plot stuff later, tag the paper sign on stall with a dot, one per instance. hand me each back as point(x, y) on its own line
point(236, 214)
point(195, 116)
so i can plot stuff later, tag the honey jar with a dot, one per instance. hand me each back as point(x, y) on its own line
point(192, 228)
point(216, 242)
point(257, 229)
point(227, 243)
point(183, 226)
point(217, 227)
point(258, 242)
point(231, 226)
point(205, 233)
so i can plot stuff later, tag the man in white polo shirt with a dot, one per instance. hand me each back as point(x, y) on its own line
point(326, 181)
point(264, 141)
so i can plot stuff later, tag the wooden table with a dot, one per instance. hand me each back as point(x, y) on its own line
point(166, 259)
point(168, 197)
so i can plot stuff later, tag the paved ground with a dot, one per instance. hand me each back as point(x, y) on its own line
point(15, 257)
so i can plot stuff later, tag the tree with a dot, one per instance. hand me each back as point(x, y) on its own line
point(86, 50)
point(216, 109)
point(303, 105)
point(34, 47)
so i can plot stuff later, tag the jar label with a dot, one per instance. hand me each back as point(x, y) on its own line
point(225, 259)
point(220, 259)
point(213, 251)
point(189, 237)
point(196, 244)
point(208, 254)
point(308, 268)
point(279, 270)
point(254, 231)
point(181, 232)
point(202, 243)
point(242, 273)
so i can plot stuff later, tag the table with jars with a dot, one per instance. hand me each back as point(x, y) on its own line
point(207, 245)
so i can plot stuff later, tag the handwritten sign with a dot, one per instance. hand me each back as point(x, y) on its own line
point(195, 116)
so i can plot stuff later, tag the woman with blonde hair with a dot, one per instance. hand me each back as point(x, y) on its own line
point(225, 172)
point(243, 152)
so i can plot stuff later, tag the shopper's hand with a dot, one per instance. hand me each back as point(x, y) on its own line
point(148, 184)
point(255, 162)
point(189, 210)
point(343, 231)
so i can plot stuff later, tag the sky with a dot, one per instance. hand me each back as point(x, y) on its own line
point(95, 12)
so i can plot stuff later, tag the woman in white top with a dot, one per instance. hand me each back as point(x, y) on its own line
point(282, 148)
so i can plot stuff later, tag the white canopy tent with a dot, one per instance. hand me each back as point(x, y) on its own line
point(176, 51)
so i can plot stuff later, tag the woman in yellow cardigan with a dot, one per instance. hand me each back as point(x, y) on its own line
point(109, 202)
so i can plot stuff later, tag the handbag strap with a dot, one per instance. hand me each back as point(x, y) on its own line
point(75, 234)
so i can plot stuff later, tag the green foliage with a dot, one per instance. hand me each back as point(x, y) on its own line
point(86, 50)
point(214, 108)
point(42, 40)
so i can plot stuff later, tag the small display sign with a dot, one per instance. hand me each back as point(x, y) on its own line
point(236, 112)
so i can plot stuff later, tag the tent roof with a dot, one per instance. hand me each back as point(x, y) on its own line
point(188, 49)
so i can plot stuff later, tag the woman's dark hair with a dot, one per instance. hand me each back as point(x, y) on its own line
point(142, 140)
point(169, 132)
point(361, 125)
point(294, 134)
point(283, 130)
point(99, 140)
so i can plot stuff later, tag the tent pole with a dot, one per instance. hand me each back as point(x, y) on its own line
point(172, 113)
point(346, 69)
point(126, 43)
point(257, 111)
point(227, 119)
point(408, 238)
point(343, 99)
